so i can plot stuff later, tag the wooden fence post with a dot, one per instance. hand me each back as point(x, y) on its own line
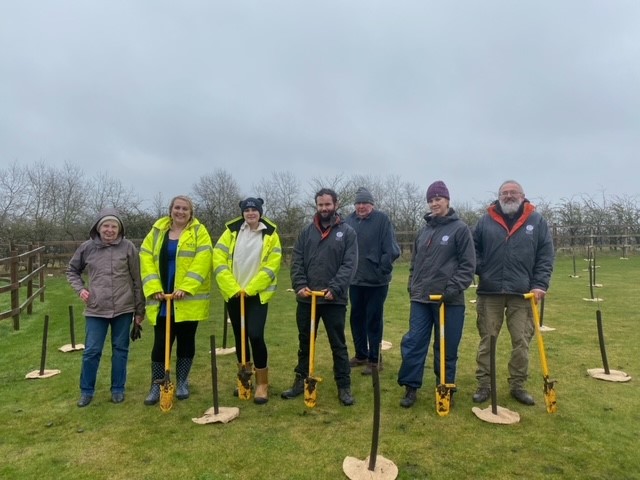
point(30, 281)
point(15, 300)
point(40, 275)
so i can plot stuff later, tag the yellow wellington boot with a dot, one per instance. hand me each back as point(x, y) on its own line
point(262, 386)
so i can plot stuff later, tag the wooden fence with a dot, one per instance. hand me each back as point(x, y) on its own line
point(30, 264)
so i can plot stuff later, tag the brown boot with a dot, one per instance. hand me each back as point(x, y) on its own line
point(262, 386)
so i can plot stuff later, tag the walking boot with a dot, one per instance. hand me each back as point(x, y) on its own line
point(358, 362)
point(409, 398)
point(84, 400)
point(296, 389)
point(522, 396)
point(262, 386)
point(345, 397)
point(368, 369)
point(482, 395)
point(157, 373)
point(183, 367)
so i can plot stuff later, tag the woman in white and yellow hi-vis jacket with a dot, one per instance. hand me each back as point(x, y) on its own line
point(175, 257)
point(247, 257)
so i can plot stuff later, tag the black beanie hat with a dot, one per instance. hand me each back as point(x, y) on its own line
point(252, 202)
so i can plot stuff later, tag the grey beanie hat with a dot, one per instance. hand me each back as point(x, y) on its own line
point(107, 218)
point(363, 196)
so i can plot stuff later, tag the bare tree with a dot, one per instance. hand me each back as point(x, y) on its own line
point(413, 207)
point(410, 214)
point(338, 183)
point(596, 216)
point(159, 205)
point(217, 196)
point(390, 198)
point(107, 191)
point(281, 193)
point(545, 209)
point(469, 214)
point(13, 199)
point(41, 188)
point(623, 214)
point(71, 202)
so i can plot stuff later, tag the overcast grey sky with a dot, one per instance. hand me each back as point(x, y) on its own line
point(158, 93)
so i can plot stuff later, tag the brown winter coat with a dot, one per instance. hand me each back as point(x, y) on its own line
point(113, 272)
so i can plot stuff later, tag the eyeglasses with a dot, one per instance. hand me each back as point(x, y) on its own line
point(510, 193)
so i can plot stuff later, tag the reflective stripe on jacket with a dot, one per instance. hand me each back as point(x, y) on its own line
point(265, 282)
point(193, 270)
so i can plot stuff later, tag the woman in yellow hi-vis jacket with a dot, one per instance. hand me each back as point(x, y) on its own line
point(247, 257)
point(175, 257)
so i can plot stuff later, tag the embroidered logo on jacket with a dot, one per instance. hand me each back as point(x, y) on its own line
point(529, 229)
point(444, 240)
point(339, 236)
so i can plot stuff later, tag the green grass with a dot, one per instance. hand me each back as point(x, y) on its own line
point(593, 435)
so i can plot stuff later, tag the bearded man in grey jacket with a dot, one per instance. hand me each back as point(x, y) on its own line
point(514, 252)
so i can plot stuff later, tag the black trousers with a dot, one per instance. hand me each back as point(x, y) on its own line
point(255, 319)
point(333, 317)
point(184, 333)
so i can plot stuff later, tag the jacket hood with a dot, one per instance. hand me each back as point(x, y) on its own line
point(106, 212)
point(235, 224)
point(449, 217)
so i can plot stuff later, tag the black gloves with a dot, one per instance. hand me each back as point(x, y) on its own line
point(136, 332)
point(449, 295)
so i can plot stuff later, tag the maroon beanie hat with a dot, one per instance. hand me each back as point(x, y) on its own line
point(437, 189)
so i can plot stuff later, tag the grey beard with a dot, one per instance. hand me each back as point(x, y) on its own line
point(509, 208)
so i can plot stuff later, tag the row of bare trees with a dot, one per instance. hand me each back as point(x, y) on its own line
point(41, 203)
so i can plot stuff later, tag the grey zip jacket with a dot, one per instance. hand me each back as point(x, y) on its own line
point(325, 259)
point(113, 272)
point(443, 260)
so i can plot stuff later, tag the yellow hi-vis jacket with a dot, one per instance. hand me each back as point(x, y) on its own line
point(193, 270)
point(264, 283)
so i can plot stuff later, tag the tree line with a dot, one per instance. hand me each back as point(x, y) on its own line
point(41, 203)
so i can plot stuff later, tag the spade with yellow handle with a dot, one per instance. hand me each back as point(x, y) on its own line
point(311, 382)
point(549, 390)
point(167, 388)
point(244, 369)
point(443, 389)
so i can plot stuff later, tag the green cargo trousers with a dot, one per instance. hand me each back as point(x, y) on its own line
point(492, 310)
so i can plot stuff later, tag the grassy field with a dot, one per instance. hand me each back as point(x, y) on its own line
point(594, 434)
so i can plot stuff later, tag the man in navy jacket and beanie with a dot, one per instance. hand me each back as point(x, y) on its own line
point(377, 250)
